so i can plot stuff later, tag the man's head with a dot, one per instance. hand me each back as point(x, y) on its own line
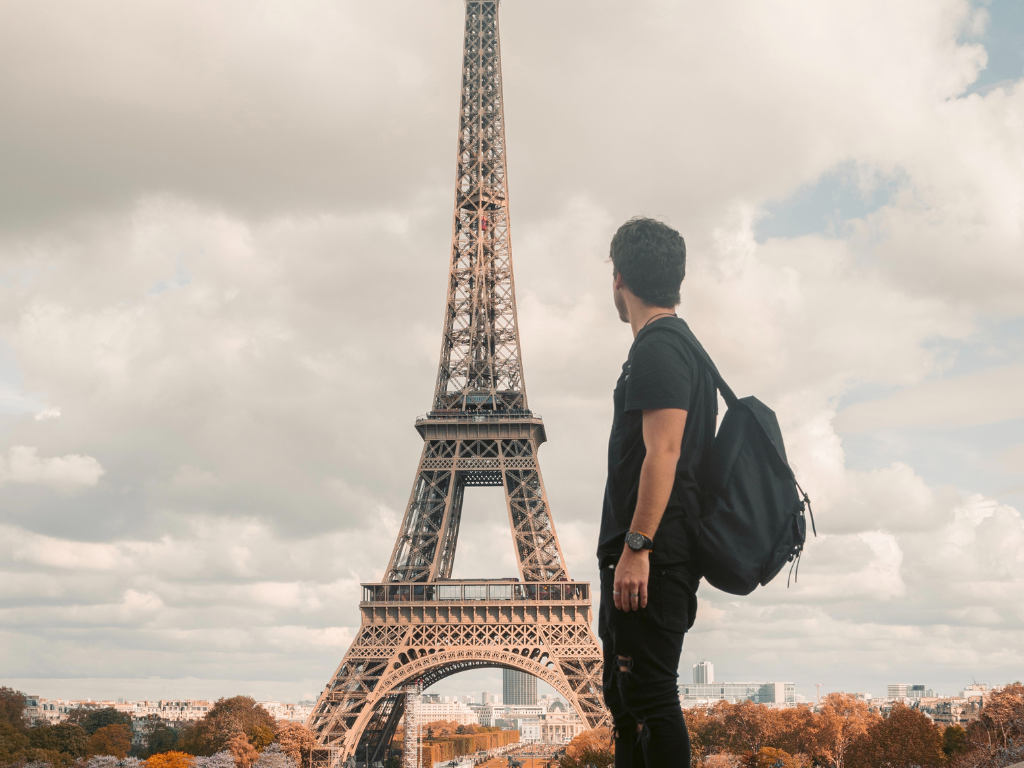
point(649, 259)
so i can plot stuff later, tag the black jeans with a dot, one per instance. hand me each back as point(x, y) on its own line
point(640, 688)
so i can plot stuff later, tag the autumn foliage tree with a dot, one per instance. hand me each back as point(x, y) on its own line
point(904, 739)
point(594, 747)
point(225, 720)
point(996, 738)
point(92, 720)
point(296, 741)
point(841, 721)
point(770, 757)
point(751, 726)
point(245, 754)
point(12, 707)
point(114, 739)
point(170, 760)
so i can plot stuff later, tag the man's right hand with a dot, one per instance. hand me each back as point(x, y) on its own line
point(631, 575)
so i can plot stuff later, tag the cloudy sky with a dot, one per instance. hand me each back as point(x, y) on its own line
point(224, 230)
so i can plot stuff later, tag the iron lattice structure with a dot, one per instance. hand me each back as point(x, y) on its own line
point(419, 626)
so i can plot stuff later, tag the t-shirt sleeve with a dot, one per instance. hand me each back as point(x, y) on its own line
point(660, 375)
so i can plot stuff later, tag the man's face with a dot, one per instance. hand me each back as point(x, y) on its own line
point(620, 302)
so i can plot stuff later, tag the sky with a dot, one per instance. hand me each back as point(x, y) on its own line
point(224, 231)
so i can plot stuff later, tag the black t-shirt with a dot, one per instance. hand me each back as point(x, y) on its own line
point(660, 372)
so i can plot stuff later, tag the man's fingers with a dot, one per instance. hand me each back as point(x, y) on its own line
point(643, 594)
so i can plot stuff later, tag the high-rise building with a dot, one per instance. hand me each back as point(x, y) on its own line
point(704, 672)
point(488, 698)
point(518, 689)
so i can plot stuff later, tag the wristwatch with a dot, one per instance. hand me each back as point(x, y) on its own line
point(637, 541)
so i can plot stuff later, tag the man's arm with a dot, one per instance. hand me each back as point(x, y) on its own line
point(663, 437)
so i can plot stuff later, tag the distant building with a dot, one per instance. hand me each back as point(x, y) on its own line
point(760, 693)
point(293, 713)
point(518, 688)
point(502, 716)
point(704, 672)
point(42, 710)
point(908, 691)
point(552, 703)
point(450, 711)
point(488, 698)
point(551, 728)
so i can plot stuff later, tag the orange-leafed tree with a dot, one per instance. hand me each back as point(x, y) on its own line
point(903, 739)
point(795, 731)
point(708, 735)
point(242, 750)
point(440, 729)
point(114, 739)
point(751, 726)
point(1003, 715)
point(170, 760)
point(841, 721)
point(593, 747)
point(770, 757)
point(722, 760)
point(225, 719)
point(296, 741)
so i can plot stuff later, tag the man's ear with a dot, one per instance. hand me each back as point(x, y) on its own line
point(618, 283)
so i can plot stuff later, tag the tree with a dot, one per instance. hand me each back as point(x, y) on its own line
point(170, 760)
point(769, 757)
point(442, 729)
point(46, 758)
point(239, 714)
point(220, 760)
point(954, 741)
point(1003, 715)
point(722, 760)
point(12, 743)
point(240, 748)
point(260, 737)
point(161, 737)
point(12, 707)
point(94, 719)
point(795, 735)
point(752, 726)
point(841, 720)
point(708, 734)
point(114, 739)
point(594, 747)
point(68, 738)
point(296, 741)
point(274, 757)
point(109, 761)
point(905, 738)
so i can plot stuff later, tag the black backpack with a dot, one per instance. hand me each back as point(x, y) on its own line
point(752, 515)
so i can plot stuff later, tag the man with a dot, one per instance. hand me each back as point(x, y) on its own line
point(663, 426)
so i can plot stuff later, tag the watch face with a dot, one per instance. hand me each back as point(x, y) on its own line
point(634, 541)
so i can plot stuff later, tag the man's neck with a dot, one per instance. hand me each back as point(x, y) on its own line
point(641, 314)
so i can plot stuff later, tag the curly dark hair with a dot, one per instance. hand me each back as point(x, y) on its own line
point(651, 257)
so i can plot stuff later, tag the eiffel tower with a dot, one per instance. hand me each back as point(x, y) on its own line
point(418, 624)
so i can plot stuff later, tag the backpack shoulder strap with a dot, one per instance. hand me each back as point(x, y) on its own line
point(690, 340)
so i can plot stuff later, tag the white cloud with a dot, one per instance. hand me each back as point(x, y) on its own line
point(978, 398)
point(48, 413)
point(23, 465)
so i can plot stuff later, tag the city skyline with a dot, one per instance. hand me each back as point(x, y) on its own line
point(222, 252)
